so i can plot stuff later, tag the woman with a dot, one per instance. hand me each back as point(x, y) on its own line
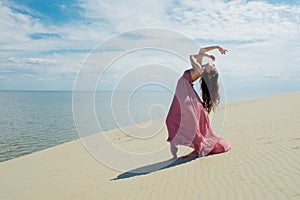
point(187, 120)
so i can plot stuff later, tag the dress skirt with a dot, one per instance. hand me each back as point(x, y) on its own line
point(188, 123)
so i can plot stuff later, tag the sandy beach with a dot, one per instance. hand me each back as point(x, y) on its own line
point(264, 163)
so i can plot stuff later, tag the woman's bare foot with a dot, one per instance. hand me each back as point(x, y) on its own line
point(174, 150)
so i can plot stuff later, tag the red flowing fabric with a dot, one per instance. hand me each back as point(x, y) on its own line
point(188, 123)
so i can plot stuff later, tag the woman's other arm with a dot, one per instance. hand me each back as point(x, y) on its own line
point(196, 62)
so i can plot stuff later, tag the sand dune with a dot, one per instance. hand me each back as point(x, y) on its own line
point(264, 163)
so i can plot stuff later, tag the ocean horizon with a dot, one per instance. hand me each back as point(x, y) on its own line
point(33, 120)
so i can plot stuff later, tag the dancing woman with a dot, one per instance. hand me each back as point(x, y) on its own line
point(187, 120)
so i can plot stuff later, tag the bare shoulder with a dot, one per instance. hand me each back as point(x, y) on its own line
point(194, 74)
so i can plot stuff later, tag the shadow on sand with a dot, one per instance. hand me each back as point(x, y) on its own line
point(156, 166)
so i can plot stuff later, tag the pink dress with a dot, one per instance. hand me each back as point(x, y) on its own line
point(188, 123)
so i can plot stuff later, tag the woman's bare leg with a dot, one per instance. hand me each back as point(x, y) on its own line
point(174, 150)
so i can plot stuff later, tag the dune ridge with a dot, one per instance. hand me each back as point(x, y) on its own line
point(264, 163)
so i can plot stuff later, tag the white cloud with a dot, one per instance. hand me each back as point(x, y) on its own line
point(210, 20)
point(27, 75)
point(258, 34)
point(263, 38)
point(236, 20)
point(46, 79)
point(123, 15)
point(216, 20)
point(16, 25)
point(40, 61)
point(31, 60)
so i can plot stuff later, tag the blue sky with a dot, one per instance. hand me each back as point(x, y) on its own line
point(44, 43)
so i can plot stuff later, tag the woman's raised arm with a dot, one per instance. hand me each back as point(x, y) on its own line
point(206, 49)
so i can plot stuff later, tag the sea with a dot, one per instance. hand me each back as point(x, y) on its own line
point(31, 121)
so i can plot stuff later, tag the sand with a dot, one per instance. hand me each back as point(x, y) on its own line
point(264, 163)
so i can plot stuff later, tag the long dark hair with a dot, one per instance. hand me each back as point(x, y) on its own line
point(210, 90)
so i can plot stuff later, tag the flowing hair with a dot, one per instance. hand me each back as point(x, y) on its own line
point(210, 90)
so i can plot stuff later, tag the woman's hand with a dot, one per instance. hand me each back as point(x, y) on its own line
point(212, 57)
point(222, 51)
